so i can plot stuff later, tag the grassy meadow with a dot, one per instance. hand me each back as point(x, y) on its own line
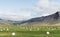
point(29, 31)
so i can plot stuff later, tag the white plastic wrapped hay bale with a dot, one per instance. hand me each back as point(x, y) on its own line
point(47, 33)
point(13, 33)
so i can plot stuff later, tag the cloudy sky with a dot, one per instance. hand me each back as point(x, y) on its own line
point(26, 9)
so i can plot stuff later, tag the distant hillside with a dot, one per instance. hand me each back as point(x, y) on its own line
point(6, 22)
point(53, 19)
point(49, 20)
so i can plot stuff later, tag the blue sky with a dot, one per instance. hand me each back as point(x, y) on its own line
point(16, 3)
point(26, 9)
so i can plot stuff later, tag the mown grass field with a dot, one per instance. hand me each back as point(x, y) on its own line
point(29, 31)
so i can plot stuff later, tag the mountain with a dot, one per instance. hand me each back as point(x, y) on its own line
point(53, 19)
point(50, 19)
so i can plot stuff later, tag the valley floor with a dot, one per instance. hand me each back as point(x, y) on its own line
point(29, 31)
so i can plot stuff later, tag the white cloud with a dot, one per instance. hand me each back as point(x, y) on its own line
point(41, 8)
point(43, 3)
point(47, 3)
point(46, 7)
point(15, 15)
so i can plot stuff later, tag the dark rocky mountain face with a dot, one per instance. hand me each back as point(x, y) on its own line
point(56, 15)
point(50, 19)
point(45, 19)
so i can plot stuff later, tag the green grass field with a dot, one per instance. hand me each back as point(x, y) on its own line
point(29, 31)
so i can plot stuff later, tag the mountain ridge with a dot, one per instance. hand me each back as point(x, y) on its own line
point(50, 19)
